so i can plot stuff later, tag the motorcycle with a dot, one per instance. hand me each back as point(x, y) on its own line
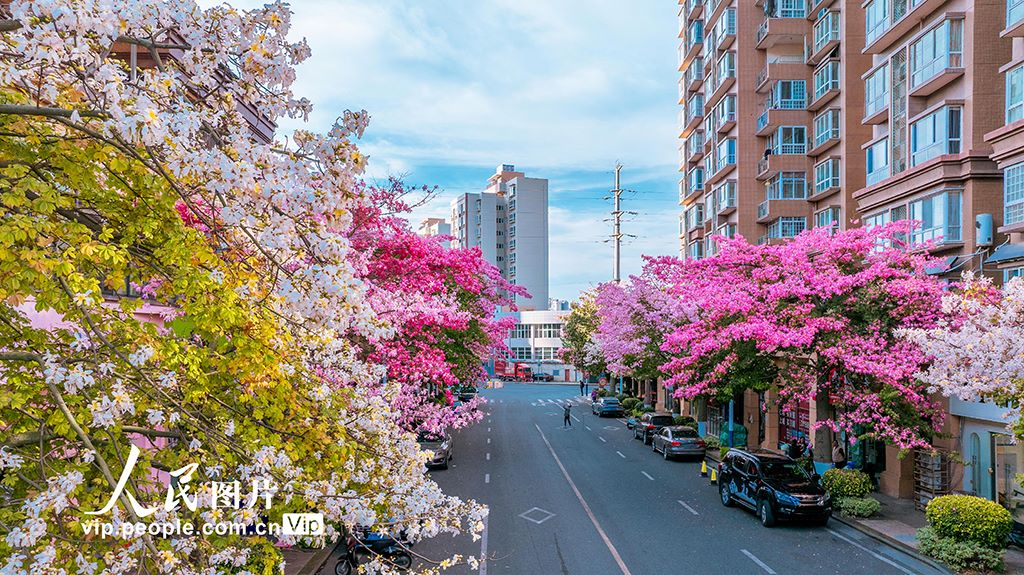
point(361, 547)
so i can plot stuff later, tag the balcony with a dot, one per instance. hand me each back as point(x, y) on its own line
point(771, 165)
point(779, 68)
point(771, 210)
point(903, 17)
point(726, 30)
point(876, 108)
point(933, 75)
point(726, 122)
point(713, 10)
point(780, 31)
point(694, 76)
point(722, 86)
point(826, 85)
point(694, 9)
point(694, 147)
point(826, 133)
point(826, 38)
point(771, 118)
point(1014, 19)
point(691, 47)
point(726, 198)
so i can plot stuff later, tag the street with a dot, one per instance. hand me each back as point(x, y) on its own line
point(592, 500)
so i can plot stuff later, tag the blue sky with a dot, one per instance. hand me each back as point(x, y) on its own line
point(561, 88)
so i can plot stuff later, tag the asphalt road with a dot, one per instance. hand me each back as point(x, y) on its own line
point(591, 500)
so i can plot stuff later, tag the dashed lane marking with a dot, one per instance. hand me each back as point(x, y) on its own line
point(688, 508)
point(760, 563)
point(647, 475)
point(603, 440)
point(488, 456)
point(870, 552)
point(620, 454)
point(487, 479)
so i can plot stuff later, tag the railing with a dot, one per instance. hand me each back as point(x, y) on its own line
point(879, 174)
point(826, 183)
point(762, 165)
point(932, 68)
point(762, 76)
point(829, 133)
point(762, 209)
point(762, 120)
point(762, 31)
point(784, 149)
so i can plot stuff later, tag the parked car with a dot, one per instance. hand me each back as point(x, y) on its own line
point(774, 486)
point(631, 421)
point(440, 446)
point(678, 441)
point(543, 377)
point(607, 406)
point(466, 393)
point(650, 424)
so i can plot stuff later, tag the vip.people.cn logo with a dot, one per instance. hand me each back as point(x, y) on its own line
point(302, 524)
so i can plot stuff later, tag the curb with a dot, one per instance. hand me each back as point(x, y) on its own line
point(894, 543)
point(317, 562)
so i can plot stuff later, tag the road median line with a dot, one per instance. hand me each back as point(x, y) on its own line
point(760, 563)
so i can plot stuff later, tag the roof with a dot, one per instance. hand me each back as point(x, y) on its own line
point(1006, 253)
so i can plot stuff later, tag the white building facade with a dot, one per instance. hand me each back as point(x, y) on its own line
point(535, 341)
point(435, 227)
point(508, 221)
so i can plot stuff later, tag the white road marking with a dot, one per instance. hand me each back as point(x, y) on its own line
point(488, 441)
point(620, 454)
point(488, 456)
point(487, 479)
point(586, 508)
point(603, 440)
point(760, 563)
point(647, 475)
point(488, 430)
point(577, 419)
point(688, 508)
point(588, 428)
point(870, 552)
point(483, 549)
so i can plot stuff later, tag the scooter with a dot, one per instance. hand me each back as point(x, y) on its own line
point(360, 548)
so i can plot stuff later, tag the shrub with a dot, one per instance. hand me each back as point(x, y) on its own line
point(622, 397)
point(603, 393)
point(685, 420)
point(960, 555)
point(966, 517)
point(857, 506)
point(647, 409)
point(629, 403)
point(722, 451)
point(846, 483)
point(712, 441)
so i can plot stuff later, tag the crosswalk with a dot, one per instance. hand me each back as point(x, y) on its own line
point(560, 402)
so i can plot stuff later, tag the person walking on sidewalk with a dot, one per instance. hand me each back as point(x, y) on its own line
point(567, 418)
point(838, 455)
point(581, 388)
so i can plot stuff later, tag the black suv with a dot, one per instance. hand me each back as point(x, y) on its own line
point(650, 424)
point(774, 486)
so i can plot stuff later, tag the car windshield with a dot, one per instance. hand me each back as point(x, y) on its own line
point(611, 400)
point(782, 469)
point(427, 437)
point(662, 420)
point(684, 432)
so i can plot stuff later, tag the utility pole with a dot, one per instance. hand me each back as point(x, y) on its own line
point(617, 226)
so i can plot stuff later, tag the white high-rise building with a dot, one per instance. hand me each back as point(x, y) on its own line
point(508, 221)
point(435, 227)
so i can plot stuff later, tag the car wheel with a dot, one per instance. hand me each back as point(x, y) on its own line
point(765, 514)
point(723, 492)
point(654, 446)
point(823, 522)
point(401, 560)
point(664, 452)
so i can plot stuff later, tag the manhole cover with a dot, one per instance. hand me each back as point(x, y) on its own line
point(537, 515)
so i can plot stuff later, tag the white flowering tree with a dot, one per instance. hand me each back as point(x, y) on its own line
point(978, 352)
point(132, 154)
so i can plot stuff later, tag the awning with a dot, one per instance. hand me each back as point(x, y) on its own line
point(946, 266)
point(1006, 253)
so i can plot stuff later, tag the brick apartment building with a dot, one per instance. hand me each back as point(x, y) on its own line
point(808, 113)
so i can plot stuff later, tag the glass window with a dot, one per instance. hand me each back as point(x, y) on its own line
point(696, 250)
point(826, 78)
point(877, 158)
point(876, 91)
point(725, 154)
point(787, 186)
point(939, 218)
point(936, 134)
point(790, 95)
point(1013, 194)
point(1014, 12)
point(549, 330)
point(1011, 273)
point(1015, 94)
point(876, 20)
point(521, 331)
point(725, 111)
point(827, 218)
point(826, 127)
point(938, 49)
point(696, 177)
point(787, 227)
point(726, 66)
point(826, 175)
point(790, 140)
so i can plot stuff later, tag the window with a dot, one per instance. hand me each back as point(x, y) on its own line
point(1014, 12)
point(726, 230)
point(876, 91)
point(936, 134)
point(725, 111)
point(695, 250)
point(1013, 194)
point(787, 186)
point(520, 331)
point(827, 218)
point(789, 140)
point(549, 330)
point(826, 29)
point(788, 9)
point(726, 66)
point(939, 217)
point(726, 194)
point(826, 175)
point(938, 49)
point(826, 78)
point(786, 227)
point(789, 95)
point(694, 107)
point(696, 179)
point(1015, 94)
point(876, 20)
point(694, 216)
point(725, 154)
point(877, 158)
point(521, 353)
point(826, 127)
point(1009, 274)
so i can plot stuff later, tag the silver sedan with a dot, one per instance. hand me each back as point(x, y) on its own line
point(678, 441)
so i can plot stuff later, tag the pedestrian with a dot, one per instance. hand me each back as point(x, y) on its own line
point(587, 383)
point(566, 416)
point(795, 450)
point(581, 388)
point(838, 454)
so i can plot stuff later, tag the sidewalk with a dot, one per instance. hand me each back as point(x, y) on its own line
point(308, 561)
point(897, 523)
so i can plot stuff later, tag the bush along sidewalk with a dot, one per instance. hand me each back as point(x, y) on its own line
point(849, 490)
point(965, 532)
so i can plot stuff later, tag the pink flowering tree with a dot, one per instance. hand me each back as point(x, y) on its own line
point(977, 351)
point(440, 304)
point(818, 317)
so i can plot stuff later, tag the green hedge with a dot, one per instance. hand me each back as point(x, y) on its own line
point(965, 517)
point(685, 420)
point(622, 397)
point(629, 403)
point(960, 555)
point(712, 441)
point(603, 393)
point(857, 506)
point(846, 483)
